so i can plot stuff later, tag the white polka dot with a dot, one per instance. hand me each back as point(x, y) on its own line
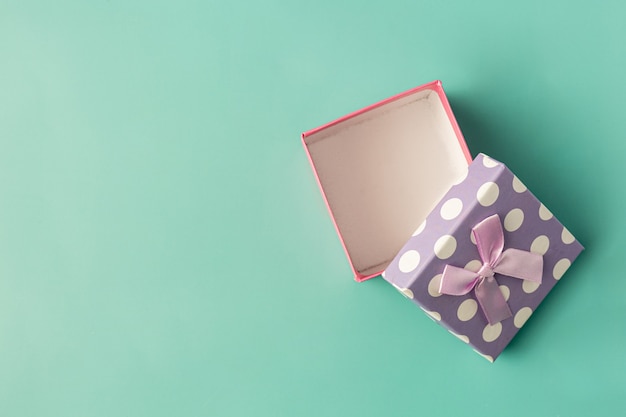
point(544, 213)
point(514, 220)
point(420, 229)
point(409, 261)
point(433, 286)
point(472, 238)
point(506, 293)
point(460, 336)
point(433, 314)
point(521, 316)
point(445, 246)
point(491, 333)
point(488, 194)
point(560, 268)
point(518, 186)
point(467, 310)
point(567, 237)
point(461, 178)
point(406, 292)
point(489, 358)
point(530, 286)
point(451, 209)
point(488, 162)
point(474, 265)
point(540, 245)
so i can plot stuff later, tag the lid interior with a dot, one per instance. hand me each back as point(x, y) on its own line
point(383, 170)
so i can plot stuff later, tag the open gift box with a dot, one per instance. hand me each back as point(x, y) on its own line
point(472, 247)
point(382, 169)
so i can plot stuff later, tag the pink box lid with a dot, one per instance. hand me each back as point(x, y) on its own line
point(383, 168)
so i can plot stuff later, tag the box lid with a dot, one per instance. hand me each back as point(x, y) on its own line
point(383, 168)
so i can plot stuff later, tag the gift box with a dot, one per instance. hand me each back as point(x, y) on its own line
point(382, 169)
point(484, 258)
point(471, 246)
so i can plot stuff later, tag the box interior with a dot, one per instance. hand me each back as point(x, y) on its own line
point(383, 170)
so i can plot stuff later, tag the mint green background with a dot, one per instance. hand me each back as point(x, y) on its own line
point(164, 250)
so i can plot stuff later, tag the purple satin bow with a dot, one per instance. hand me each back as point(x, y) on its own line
point(512, 262)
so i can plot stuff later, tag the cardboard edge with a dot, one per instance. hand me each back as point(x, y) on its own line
point(455, 126)
point(357, 276)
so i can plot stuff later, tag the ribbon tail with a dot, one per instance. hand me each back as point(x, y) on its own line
point(520, 264)
point(457, 281)
point(492, 301)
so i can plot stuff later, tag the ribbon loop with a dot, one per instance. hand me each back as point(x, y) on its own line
point(489, 239)
point(520, 264)
point(514, 263)
point(461, 283)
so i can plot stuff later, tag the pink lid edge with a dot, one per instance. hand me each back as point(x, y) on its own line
point(434, 86)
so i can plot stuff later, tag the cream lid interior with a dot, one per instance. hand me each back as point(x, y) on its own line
point(382, 170)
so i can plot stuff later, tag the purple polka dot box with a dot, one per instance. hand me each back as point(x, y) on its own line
point(484, 258)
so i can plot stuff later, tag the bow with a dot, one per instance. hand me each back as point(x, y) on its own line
point(512, 262)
